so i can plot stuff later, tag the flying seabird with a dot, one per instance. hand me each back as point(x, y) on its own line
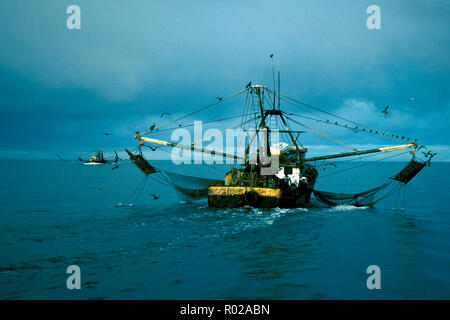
point(60, 158)
point(385, 111)
point(116, 157)
point(429, 154)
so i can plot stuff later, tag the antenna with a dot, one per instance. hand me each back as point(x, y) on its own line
point(273, 76)
point(279, 94)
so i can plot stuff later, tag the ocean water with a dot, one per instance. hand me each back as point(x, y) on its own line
point(54, 214)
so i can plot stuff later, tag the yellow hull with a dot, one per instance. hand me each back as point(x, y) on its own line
point(232, 197)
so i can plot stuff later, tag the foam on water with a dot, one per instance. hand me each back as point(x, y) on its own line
point(346, 207)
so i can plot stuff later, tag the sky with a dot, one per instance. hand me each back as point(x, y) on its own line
point(62, 89)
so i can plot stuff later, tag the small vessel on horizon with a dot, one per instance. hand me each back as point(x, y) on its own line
point(98, 159)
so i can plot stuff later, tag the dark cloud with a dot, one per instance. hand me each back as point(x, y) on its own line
point(132, 61)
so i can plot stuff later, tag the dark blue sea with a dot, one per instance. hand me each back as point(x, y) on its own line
point(54, 214)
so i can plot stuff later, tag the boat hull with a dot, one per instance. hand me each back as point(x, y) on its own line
point(235, 197)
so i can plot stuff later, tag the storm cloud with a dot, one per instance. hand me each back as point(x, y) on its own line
point(133, 60)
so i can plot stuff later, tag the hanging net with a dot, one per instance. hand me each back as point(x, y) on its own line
point(371, 197)
point(360, 199)
point(190, 188)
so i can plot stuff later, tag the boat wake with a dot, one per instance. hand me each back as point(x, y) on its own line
point(347, 207)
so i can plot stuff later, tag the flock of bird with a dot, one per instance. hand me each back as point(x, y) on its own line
point(427, 153)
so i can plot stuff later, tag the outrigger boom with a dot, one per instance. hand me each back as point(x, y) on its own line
point(326, 157)
point(175, 145)
point(356, 153)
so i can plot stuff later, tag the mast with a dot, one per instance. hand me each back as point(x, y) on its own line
point(261, 104)
point(279, 90)
point(259, 91)
point(273, 77)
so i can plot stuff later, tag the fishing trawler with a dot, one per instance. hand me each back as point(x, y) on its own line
point(273, 173)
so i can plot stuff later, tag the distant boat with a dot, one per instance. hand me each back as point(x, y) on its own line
point(98, 159)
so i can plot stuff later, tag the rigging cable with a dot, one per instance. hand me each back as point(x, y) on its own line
point(221, 131)
point(211, 121)
point(361, 165)
point(140, 186)
point(196, 111)
point(322, 134)
point(355, 123)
